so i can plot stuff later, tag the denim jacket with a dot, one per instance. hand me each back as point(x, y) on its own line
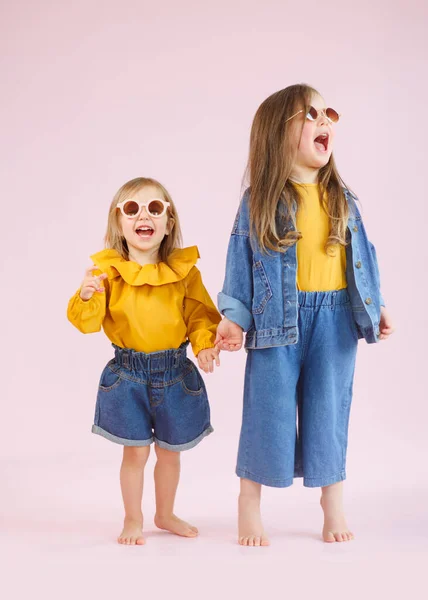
point(260, 290)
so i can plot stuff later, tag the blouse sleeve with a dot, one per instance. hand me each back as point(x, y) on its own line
point(200, 313)
point(88, 315)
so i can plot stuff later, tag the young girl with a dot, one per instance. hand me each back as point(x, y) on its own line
point(149, 298)
point(302, 281)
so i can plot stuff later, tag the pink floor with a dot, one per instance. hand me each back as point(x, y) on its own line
point(60, 517)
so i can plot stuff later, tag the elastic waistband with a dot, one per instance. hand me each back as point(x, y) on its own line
point(314, 299)
point(151, 362)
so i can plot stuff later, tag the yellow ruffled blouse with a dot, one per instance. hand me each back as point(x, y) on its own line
point(149, 308)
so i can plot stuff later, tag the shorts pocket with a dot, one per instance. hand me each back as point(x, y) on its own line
point(110, 379)
point(192, 383)
point(262, 292)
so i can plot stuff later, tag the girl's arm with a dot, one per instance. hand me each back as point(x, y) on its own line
point(382, 301)
point(235, 300)
point(87, 308)
point(200, 313)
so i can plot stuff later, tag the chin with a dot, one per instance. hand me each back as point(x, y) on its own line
point(321, 161)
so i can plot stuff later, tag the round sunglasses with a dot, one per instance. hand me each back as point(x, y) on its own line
point(155, 207)
point(313, 114)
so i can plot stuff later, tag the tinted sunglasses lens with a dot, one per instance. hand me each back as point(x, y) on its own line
point(131, 208)
point(312, 114)
point(156, 208)
point(332, 115)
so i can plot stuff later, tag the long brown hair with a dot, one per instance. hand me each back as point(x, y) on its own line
point(272, 154)
point(114, 237)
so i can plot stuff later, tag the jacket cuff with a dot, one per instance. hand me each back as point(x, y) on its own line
point(235, 311)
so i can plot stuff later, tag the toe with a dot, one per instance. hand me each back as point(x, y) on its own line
point(140, 541)
point(195, 529)
point(329, 537)
point(264, 542)
point(257, 541)
point(251, 541)
point(338, 537)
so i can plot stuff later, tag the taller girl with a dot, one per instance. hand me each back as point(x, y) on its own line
point(302, 281)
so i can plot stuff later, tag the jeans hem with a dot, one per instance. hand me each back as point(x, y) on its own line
point(279, 483)
point(188, 445)
point(118, 440)
point(312, 482)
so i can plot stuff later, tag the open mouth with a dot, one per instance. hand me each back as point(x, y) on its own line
point(144, 232)
point(321, 142)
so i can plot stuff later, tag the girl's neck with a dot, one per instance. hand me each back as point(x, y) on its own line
point(301, 174)
point(144, 257)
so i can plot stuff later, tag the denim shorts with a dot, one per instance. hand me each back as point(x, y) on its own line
point(158, 397)
point(297, 398)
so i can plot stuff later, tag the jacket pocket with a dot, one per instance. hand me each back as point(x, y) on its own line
point(262, 291)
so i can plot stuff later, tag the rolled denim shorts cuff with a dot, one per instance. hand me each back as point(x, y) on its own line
point(118, 440)
point(187, 446)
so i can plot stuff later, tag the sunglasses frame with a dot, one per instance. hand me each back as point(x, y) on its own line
point(142, 205)
point(322, 111)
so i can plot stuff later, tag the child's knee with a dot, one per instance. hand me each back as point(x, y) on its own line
point(136, 455)
point(167, 456)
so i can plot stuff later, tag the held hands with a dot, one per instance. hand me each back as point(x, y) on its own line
point(91, 283)
point(206, 359)
point(229, 336)
point(385, 325)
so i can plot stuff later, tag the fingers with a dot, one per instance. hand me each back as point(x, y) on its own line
point(206, 359)
point(205, 363)
point(229, 346)
point(90, 270)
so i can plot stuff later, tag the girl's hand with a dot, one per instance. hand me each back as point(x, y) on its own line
point(91, 283)
point(206, 358)
point(229, 336)
point(385, 325)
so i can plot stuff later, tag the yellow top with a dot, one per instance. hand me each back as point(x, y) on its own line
point(317, 271)
point(149, 308)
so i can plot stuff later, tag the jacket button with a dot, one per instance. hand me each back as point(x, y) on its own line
point(355, 228)
point(368, 300)
point(358, 264)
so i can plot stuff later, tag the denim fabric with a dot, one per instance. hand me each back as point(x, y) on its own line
point(260, 290)
point(158, 397)
point(297, 398)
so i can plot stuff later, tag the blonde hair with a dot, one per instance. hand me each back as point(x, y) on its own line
point(271, 158)
point(114, 237)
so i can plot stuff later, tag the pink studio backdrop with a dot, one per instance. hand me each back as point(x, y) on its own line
point(96, 93)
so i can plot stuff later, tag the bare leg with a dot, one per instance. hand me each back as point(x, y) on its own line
point(335, 527)
point(251, 532)
point(167, 476)
point(132, 481)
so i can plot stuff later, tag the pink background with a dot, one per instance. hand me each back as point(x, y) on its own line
point(96, 93)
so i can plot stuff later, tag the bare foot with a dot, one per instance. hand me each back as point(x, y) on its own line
point(132, 534)
point(335, 527)
point(251, 532)
point(175, 525)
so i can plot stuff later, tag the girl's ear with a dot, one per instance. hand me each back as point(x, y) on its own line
point(170, 225)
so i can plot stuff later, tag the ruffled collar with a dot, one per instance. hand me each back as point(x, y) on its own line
point(180, 262)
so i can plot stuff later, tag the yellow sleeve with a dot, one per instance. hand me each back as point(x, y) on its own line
point(200, 313)
point(87, 315)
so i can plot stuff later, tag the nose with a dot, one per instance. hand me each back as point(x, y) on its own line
point(323, 119)
point(143, 214)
